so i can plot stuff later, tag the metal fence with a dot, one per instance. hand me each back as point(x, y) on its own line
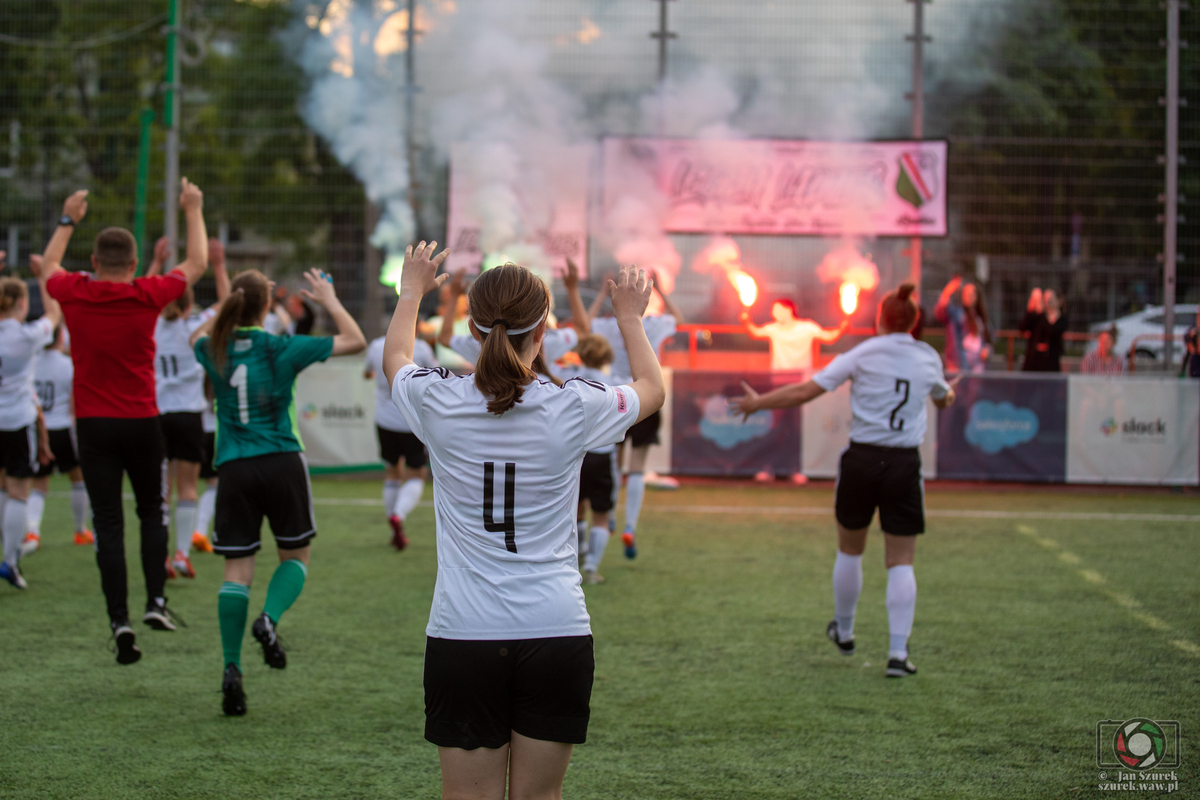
point(1051, 107)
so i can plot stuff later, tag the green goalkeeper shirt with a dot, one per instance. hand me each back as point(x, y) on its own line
point(255, 393)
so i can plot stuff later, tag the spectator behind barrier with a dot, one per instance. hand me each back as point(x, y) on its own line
point(1190, 368)
point(1101, 360)
point(968, 337)
point(1045, 323)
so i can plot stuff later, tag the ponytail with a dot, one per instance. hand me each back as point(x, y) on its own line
point(12, 291)
point(898, 309)
point(503, 299)
point(246, 301)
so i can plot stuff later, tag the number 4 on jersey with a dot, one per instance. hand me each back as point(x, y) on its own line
point(509, 526)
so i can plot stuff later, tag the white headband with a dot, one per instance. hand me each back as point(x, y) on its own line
point(517, 332)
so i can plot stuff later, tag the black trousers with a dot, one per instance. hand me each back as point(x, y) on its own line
point(109, 448)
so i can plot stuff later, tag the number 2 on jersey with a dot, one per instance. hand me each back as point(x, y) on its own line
point(893, 423)
point(238, 381)
point(509, 526)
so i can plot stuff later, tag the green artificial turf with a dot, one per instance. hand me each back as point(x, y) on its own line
point(713, 676)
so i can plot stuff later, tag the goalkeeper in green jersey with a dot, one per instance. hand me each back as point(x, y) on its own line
point(259, 457)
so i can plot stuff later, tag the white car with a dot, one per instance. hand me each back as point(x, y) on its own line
point(1149, 320)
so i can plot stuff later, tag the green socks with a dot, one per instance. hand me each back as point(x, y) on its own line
point(233, 601)
point(285, 587)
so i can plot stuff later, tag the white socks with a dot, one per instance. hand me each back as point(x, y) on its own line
point(901, 605)
point(847, 586)
point(391, 490)
point(35, 507)
point(635, 490)
point(79, 505)
point(205, 509)
point(596, 546)
point(185, 525)
point(14, 529)
point(408, 497)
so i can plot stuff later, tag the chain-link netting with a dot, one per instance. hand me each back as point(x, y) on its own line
point(1051, 108)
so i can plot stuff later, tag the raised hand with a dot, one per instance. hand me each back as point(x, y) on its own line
point(35, 264)
point(571, 279)
point(216, 253)
point(75, 206)
point(748, 403)
point(419, 275)
point(190, 196)
point(321, 290)
point(458, 284)
point(630, 292)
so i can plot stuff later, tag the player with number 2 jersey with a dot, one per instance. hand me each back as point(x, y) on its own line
point(890, 376)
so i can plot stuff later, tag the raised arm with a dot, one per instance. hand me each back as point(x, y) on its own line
point(631, 295)
point(216, 258)
point(457, 288)
point(794, 394)
point(943, 301)
point(418, 278)
point(74, 207)
point(349, 338)
point(161, 248)
point(598, 303)
point(752, 330)
point(832, 334)
point(191, 200)
point(53, 311)
point(579, 315)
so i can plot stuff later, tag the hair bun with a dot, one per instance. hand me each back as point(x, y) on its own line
point(905, 291)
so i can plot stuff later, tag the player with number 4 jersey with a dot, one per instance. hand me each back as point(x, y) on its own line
point(259, 458)
point(508, 658)
point(890, 376)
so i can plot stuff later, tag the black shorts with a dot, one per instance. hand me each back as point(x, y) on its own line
point(183, 432)
point(275, 486)
point(18, 452)
point(645, 433)
point(66, 455)
point(395, 444)
point(887, 477)
point(207, 470)
point(478, 692)
point(596, 481)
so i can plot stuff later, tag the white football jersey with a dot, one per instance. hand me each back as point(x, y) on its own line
point(505, 493)
point(556, 343)
point(890, 377)
point(387, 416)
point(53, 374)
point(596, 376)
point(178, 375)
point(658, 329)
point(20, 344)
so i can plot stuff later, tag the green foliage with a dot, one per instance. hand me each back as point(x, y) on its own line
point(713, 675)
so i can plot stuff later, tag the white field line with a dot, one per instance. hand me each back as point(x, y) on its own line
point(824, 511)
point(1125, 601)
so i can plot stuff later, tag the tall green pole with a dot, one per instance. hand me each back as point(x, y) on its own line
point(171, 121)
point(143, 180)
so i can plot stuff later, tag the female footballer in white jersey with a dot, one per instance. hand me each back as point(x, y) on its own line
point(20, 342)
point(179, 380)
point(403, 454)
point(508, 658)
point(890, 376)
point(53, 376)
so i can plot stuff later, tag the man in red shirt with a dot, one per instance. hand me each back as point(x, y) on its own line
point(111, 316)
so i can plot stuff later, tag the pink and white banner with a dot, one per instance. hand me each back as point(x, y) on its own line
point(778, 186)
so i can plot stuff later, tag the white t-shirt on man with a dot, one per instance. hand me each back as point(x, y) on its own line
point(791, 344)
point(890, 377)
point(506, 492)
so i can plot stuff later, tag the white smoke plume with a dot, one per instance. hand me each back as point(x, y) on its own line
point(844, 264)
point(356, 103)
